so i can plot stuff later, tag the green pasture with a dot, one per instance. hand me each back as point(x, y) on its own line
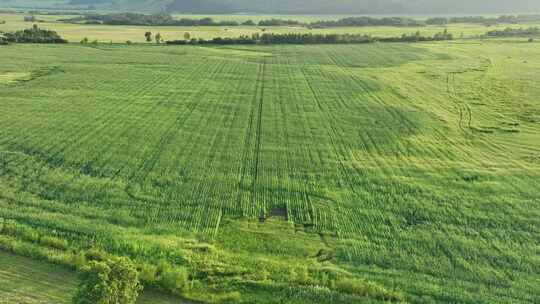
point(277, 174)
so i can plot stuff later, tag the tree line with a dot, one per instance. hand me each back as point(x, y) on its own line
point(504, 19)
point(169, 20)
point(368, 21)
point(515, 32)
point(298, 38)
point(32, 35)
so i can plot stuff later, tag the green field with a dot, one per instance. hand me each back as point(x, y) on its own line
point(121, 34)
point(280, 174)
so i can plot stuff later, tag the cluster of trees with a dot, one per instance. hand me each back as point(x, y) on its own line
point(158, 37)
point(297, 38)
point(368, 21)
point(515, 32)
point(504, 19)
point(417, 37)
point(34, 35)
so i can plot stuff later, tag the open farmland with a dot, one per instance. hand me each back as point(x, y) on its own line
point(121, 34)
point(282, 173)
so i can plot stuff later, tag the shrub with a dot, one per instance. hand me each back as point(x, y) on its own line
point(147, 273)
point(171, 279)
point(174, 280)
point(108, 282)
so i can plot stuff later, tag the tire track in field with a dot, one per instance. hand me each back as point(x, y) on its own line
point(258, 140)
point(206, 197)
point(490, 146)
point(248, 136)
point(199, 199)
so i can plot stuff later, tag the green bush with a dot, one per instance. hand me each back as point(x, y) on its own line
point(114, 281)
point(171, 279)
point(147, 274)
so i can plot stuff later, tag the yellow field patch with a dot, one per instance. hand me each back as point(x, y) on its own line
point(12, 77)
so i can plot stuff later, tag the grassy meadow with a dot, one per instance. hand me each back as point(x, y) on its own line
point(276, 174)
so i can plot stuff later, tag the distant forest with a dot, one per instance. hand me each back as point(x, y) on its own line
point(298, 6)
point(168, 20)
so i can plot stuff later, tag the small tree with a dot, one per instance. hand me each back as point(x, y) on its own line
point(108, 282)
point(148, 36)
point(187, 36)
point(158, 38)
point(85, 40)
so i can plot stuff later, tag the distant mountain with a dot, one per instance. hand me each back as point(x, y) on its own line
point(298, 6)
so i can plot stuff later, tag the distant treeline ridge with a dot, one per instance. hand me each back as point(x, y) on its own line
point(168, 20)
